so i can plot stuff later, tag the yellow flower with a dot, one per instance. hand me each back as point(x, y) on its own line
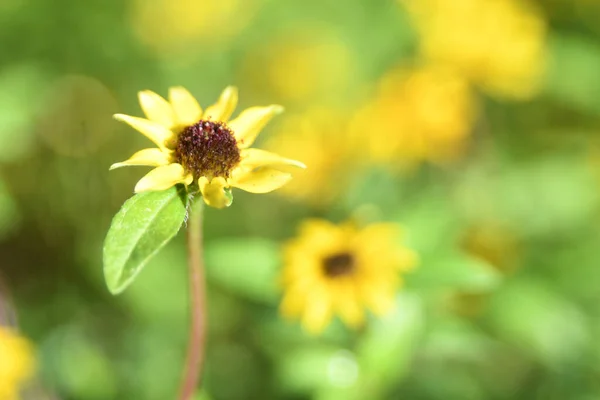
point(175, 26)
point(340, 269)
point(425, 114)
point(317, 136)
point(16, 363)
point(202, 147)
point(498, 44)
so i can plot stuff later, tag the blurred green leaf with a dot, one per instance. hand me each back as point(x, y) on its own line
point(539, 321)
point(573, 76)
point(386, 352)
point(305, 369)
point(145, 224)
point(537, 196)
point(79, 367)
point(451, 337)
point(247, 266)
point(431, 223)
point(455, 270)
point(20, 102)
point(548, 195)
point(374, 186)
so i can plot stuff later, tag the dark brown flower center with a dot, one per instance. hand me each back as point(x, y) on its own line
point(338, 265)
point(207, 148)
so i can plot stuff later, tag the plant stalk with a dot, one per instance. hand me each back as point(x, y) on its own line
point(197, 336)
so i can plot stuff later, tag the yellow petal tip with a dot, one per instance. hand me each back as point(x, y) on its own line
point(296, 163)
point(230, 91)
point(141, 188)
point(144, 93)
point(119, 117)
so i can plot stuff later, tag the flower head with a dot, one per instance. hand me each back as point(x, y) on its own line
point(340, 269)
point(202, 147)
point(498, 44)
point(16, 363)
point(419, 114)
point(187, 24)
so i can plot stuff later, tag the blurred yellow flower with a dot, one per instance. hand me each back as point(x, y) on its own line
point(16, 363)
point(417, 115)
point(498, 44)
point(203, 148)
point(340, 269)
point(168, 26)
point(318, 137)
point(300, 65)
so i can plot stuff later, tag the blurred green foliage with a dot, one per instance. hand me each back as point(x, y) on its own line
point(504, 304)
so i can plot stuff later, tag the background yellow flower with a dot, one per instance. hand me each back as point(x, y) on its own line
point(169, 27)
point(16, 363)
point(498, 44)
point(422, 114)
point(342, 270)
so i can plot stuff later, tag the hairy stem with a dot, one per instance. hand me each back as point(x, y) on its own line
point(197, 339)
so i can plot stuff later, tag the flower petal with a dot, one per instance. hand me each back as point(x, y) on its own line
point(253, 158)
point(379, 301)
point(216, 192)
point(292, 303)
point(156, 108)
point(162, 178)
point(250, 122)
point(348, 305)
point(223, 108)
point(186, 107)
point(263, 180)
point(149, 157)
point(318, 311)
point(152, 130)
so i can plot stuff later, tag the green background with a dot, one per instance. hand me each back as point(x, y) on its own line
point(517, 317)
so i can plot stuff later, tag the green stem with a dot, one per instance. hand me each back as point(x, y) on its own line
point(197, 339)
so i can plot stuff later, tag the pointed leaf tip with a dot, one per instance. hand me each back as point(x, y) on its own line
point(143, 226)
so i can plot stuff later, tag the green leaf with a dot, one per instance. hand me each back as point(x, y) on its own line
point(145, 224)
point(374, 186)
point(457, 271)
point(577, 57)
point(532, 316)
point(306, 368)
